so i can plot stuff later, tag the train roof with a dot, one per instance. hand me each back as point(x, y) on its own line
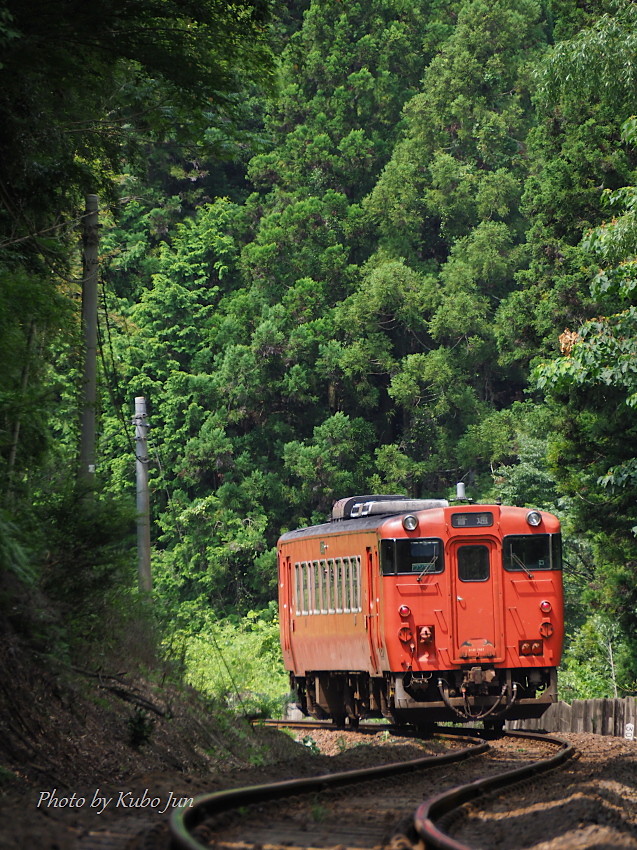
point(359, 514)
point(368, 523)
point(364, 513)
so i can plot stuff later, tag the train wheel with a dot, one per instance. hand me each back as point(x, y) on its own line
point(352, 707)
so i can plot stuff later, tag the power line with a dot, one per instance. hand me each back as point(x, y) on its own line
point(111, 391)
point(35, 235)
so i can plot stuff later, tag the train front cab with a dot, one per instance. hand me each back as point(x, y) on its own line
point(473, 611)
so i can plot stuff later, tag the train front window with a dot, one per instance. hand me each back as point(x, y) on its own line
point(419, 557)
point(532, 552)
point(473, 563)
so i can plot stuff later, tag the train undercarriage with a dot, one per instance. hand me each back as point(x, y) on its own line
point(477, 692)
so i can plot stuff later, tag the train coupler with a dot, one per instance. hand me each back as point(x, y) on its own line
point(477, 679)
point(470, 712)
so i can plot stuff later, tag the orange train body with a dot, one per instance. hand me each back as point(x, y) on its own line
point(421, 611)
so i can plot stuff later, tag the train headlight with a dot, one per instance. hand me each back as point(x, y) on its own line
point(534, 518)
point(404, 610)
point(410, 522)
point(546, 607)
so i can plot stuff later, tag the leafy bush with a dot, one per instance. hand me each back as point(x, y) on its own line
point(595, 662)
point(14, 557)
point(236, 661)
point(87, 568)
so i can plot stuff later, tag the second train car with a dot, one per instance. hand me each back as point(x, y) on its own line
point(423, 611)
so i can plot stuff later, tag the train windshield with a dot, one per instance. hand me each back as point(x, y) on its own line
point(532, 552)
point(418, 557)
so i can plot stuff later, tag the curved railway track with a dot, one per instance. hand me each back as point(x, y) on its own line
point(372, 808)
point(441, 804)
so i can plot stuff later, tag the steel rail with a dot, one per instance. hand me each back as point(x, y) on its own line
point(324, 724)
point(446, 801)
point(184, 820)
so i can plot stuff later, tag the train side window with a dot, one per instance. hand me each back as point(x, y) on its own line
point(316, 584)
point(350, 583)
point(318, 587)
point(331, 569)
point(356, 584)
point(302, 588)
point(325, 587)
point(473, 563)
point(346, 595)
point(531, 552)
point(307, 588)
point(336, 579)
point(297, 588)
point(309, 571)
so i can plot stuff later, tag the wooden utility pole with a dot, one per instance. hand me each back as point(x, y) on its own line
point(143, 499)
point(89, 328)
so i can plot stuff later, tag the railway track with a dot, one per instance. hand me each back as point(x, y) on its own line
point(367, 809)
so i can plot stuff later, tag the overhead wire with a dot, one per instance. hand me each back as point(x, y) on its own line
point(60, 226)
point(109, 386)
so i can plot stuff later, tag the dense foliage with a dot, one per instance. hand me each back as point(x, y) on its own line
point(398, 254)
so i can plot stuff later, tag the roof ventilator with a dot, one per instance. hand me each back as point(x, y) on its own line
point(355, 507)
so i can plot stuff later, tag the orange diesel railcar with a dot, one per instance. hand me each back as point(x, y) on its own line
point(422, 611)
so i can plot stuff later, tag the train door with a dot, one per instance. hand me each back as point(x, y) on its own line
point(286, 609)
point(372, 613)
point(476, 601)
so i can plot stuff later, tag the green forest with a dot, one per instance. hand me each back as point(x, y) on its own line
point(345, 246)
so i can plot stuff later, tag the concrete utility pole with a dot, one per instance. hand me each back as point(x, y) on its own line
point(143, 499)
point(89, 327)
